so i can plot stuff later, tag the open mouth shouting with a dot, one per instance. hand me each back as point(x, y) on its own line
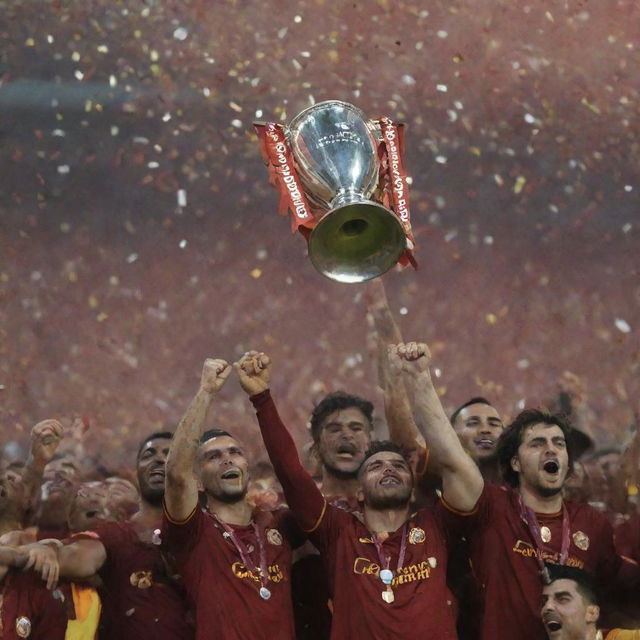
point(485, 443)
point(390, 480)
point(551, 467)
point(347, 450)
point(156, 476)
point(231, 474)
point(552, 624)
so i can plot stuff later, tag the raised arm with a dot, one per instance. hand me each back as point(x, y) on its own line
point(303, 497)
point(45, 439)
point(181, 485)
point(462, 482)
point(397, 408)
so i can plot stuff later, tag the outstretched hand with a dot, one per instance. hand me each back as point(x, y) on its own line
point(214, 374)
point(410, 357)
point(253, 372)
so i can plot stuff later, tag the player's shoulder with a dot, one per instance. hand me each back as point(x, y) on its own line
point(586, 512)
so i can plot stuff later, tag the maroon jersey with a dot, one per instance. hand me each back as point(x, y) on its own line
point(140, 596)
point(225, 593)
point(504, 559)
point(29, 610)
point(422, 606)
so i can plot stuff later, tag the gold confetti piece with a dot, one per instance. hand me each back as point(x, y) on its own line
point(30, 42)
point(93, 302)
point(590, 106)
point(548, 16)
point(519, 184)
point(4, 277)
point(458, 58)
point(441, 391)
point(333, 55)
point(491, 318)
point(256, 273)
point(475, 151)
point(102, 316)
point(72, 276)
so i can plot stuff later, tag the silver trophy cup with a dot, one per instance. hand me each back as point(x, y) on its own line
point(335, 148)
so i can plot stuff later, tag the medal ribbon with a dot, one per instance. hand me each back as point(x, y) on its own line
point(529, 516)
point(243, 552)
point(386, 560)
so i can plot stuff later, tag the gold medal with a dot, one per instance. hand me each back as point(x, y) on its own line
point(416, 535)
point(387, 595)
point(23, 627)
point(581, 540)
point(545, 534)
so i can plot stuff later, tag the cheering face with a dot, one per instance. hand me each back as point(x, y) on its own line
point(224, 469)
point(478, 427)
point(89, 506)
point(565, 613)
point(542, 461)
point(344, 438)
point(151, 469)
point(386, 481)
point(60, 480)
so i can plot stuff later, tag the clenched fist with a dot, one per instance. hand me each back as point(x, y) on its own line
point(214, 374)
point(45, 438)
point(411, 357)
point(253, 372)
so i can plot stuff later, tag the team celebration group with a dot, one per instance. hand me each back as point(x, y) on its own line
point(455, 527)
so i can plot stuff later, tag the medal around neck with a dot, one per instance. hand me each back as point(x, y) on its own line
point(386, 575)
point(388, 595)
point(265, 594)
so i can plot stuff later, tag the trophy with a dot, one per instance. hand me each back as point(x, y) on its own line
point(342, 178)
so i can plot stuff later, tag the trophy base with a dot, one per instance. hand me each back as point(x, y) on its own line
point(356, 242)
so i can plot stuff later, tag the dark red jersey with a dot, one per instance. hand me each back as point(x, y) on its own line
point(140, 595)
point(422, 605)
point(504, 559)
point(225, 593)
point(29, 610)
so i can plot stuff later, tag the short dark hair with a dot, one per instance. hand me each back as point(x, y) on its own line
point(167, 435)
point(336, 401)
point(585, 582)
point(468, 403)
point(377, 446)
point(511, 439)
point(209, 434)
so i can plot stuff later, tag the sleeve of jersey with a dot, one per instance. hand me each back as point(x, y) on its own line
point(464, 523)
point(178, 536)
point(303, 496)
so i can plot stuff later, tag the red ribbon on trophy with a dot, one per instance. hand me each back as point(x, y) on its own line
point(283, 175)
point(393, 182)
